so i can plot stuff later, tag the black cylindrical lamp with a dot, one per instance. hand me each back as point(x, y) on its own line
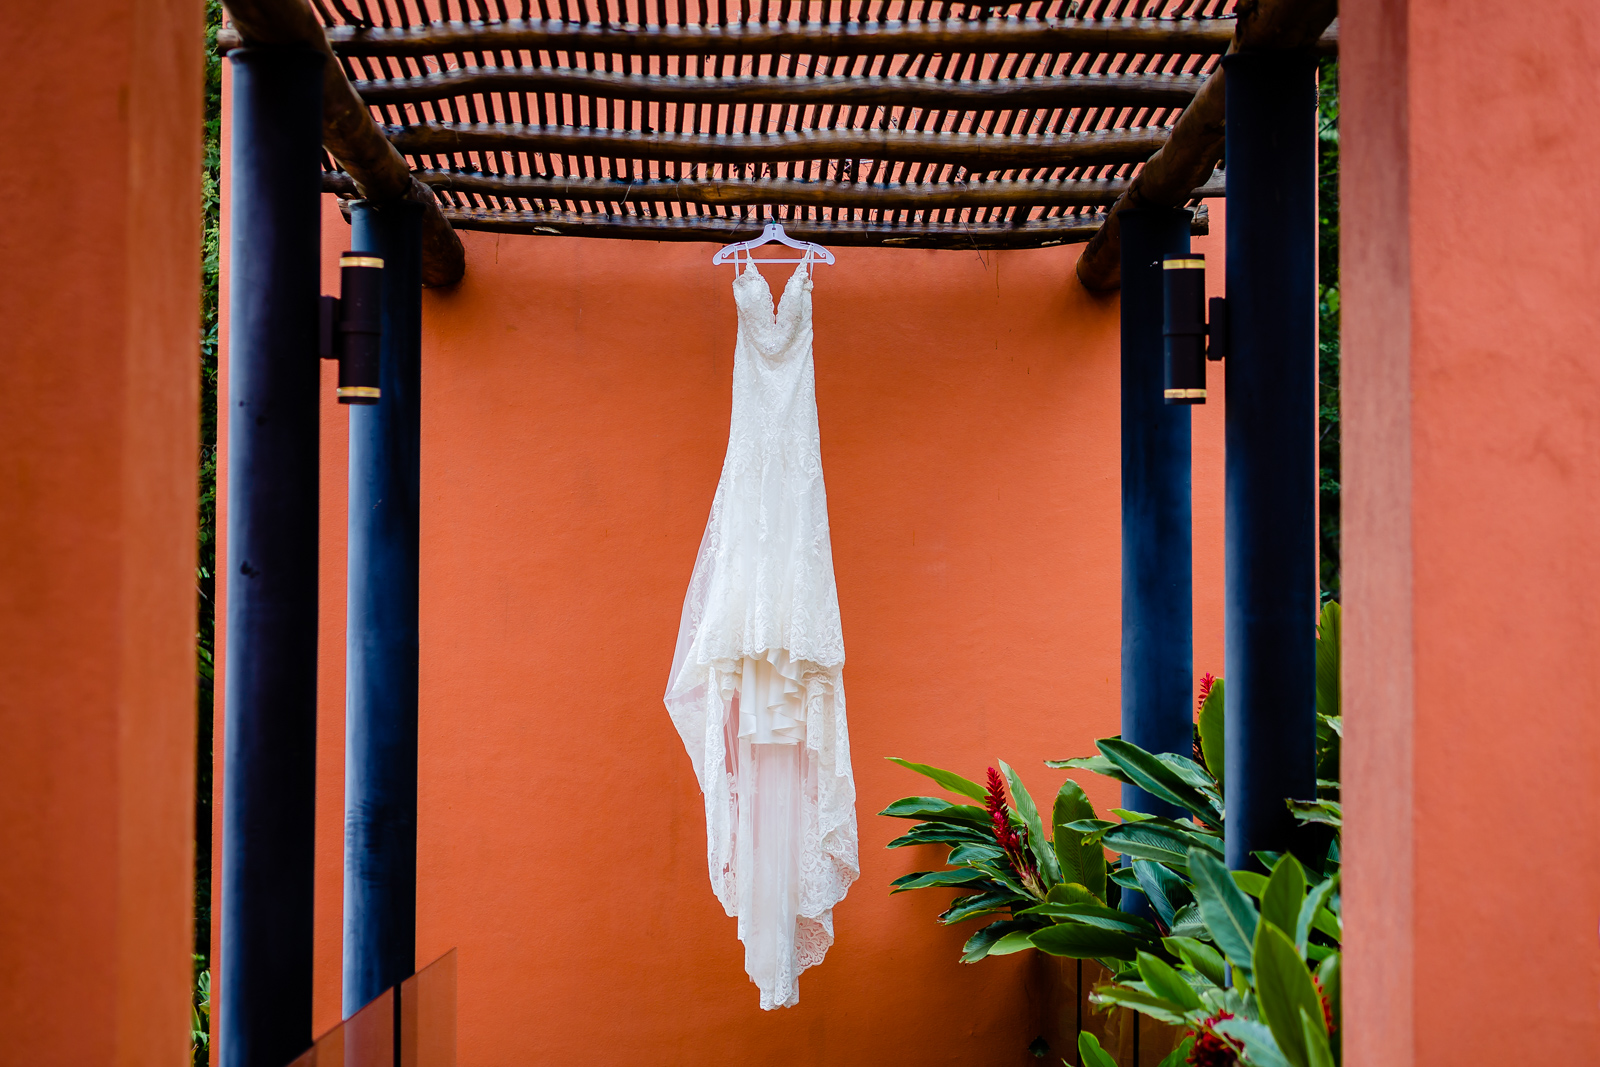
point(360, 327)
point(1183, 327)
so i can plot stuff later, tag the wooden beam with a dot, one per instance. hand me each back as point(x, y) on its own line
point(349, 133)
point(1039, 234)
point(1196, 142)
point(940, 36)
point(1089, 90)
point(918, 196)
point(977, 152)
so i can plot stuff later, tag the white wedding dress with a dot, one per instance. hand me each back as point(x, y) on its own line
point(756, 690)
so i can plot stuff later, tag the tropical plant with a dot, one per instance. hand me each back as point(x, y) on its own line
point(1061, 893)
point(1265, 989)
point(200, 1015)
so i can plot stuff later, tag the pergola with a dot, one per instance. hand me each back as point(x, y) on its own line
point(891, 123)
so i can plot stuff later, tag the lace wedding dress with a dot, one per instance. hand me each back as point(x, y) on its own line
point(756, 690)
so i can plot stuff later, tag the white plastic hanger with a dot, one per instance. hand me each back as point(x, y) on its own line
point(814, 253)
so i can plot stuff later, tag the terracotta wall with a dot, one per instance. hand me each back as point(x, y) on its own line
point(99, 311)
point(576, 398)
point(1472, 497)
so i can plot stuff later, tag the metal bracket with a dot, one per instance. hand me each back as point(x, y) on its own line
point(1217, 329)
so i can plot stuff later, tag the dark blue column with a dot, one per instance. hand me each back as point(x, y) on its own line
point(1271, 439)
point(380, 822)
point(270, 696)
point(1157, 578)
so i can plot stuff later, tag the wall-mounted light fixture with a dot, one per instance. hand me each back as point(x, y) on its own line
point(351, 327)
point(1184, 329)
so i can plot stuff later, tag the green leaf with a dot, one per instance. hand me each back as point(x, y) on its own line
point(1015, 941)
point(1206, 961)
point(1328, 642)
point(1251, 882)
point(1261, 1049)
point(1094, 915)
point(1179, 1056)
point(1330, 974)
point(936, 810)
point(1072, 893)
point(975, 904)
point(1308, 911)
point(1092, 764)
point(935, 834)
point(949, 779)
point(1084, 942)
point(1167, 983)
point(1081, 863)
point(972, 852)
point(1318, 1054)
point(978, 944)
point(1165, 890)
point(1140, 1001)
point(1126, 878)
point(1090, 831)
point(1286, 890)
point(1161, 840)
point(1038, 843)
point(1003, 876)
point(936, 879)
point(1188, 771)
point(1186, 922)
point(1228, 913)
point(1328, 812)
point(1159, 780)
point(1090, 1054)
point(1283, 989)
point(1213, 731)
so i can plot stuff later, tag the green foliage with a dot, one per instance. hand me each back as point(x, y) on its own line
point(948, 779)
point(206, 520)
point(1328, 322)
point(1091, 1054)
point(1212, 728)
point(200, 1015)
point(1080, 863)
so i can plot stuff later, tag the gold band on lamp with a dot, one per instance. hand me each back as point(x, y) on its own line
point(1166, 264)
point(361, 261)
point(368, 391)
point(1185, 394)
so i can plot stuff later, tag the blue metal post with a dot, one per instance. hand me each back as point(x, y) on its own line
point(1157, 578)
point(380, 849)
point(270, 696)
point(1271, 538)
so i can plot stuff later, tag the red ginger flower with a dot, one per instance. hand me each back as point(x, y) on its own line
point(1008, 837)
point(1205, 689)
point(1211, 1049)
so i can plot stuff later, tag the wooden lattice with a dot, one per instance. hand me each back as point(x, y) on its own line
point(912, 123)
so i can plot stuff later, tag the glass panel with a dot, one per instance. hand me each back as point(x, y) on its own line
point(427, 1026)
point(369, 1035)
point(428, 1015)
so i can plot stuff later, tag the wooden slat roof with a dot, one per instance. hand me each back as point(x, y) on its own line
point(912, 123)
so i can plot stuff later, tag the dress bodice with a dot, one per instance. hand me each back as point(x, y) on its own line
point(776, 333)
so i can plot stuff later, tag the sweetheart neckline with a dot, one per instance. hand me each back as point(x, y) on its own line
point(776, 305)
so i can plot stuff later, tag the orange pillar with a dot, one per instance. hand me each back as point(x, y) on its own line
point(1472, 531)
point(99, 309)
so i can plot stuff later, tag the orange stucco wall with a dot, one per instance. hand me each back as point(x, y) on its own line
point(1472, 481)
point(99, 248)
point(576, 398)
